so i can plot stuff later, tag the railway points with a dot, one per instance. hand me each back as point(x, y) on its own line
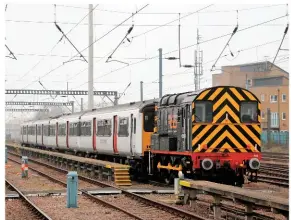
point(249, 198)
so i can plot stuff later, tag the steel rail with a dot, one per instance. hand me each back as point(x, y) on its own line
point(150, 202)
point(141, 198)
point(83, 191)
point(35, 209)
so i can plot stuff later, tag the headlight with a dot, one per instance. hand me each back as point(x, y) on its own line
point(207, 164)
point(254, 164)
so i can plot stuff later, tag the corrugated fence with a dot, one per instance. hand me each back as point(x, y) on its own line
point(280, 138)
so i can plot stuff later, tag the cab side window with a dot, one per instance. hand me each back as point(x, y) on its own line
point(149, 121)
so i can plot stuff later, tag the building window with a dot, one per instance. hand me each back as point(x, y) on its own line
point(283, 115)
point(262, 115)
point(274, 120)
point(262, 97)
point(273, 98)
point(249, 82)
point(203, 111)
point(284, 97)
point(248, 112)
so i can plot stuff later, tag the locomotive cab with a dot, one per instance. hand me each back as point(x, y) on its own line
point(212, 134)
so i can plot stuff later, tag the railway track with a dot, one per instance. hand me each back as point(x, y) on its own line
point(274, 174)
point(131, 204)
point(39, 214)
point(275, 157)
point(128, 197)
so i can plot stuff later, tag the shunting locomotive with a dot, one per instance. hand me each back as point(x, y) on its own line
point(212, 134)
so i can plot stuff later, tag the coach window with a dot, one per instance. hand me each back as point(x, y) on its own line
point(83, 128)
point(38, 130)
point(203, 111)
point(123, 127)
point(52, 130)
point(62, 130)
point(134, 125)
point(71, 129)
point(108, 124)
point(100, 128)
point(86, 129)
point(76, 129)
point(248, 112)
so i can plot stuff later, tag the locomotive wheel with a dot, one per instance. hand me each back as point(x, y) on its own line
point(168, 177)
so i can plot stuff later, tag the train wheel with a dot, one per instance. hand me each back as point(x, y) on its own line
point(168, 177)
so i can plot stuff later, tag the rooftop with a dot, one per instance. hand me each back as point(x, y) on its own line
point(259, 63)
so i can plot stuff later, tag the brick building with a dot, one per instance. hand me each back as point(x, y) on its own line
point(269, 83)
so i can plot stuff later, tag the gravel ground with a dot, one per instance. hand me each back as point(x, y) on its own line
point(202, 205)
point(274, 162)
point(202, 209)
point(138, 208)
point(268, 188)
point(83, 184)
point(55, 207)
point(57, 174)
point(32, 183)
point(16, 209)
point(136, 185)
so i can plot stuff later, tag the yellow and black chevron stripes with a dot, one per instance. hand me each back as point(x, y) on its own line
point(214, 137)
point(226, 133)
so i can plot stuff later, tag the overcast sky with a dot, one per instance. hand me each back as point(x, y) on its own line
point(31, 33)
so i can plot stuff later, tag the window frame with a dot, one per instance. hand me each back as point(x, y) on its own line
point(106, 125)
point(285, 116)
point(203, 101)
point(240, 116)
point(271, 101)
point(123, 134)
point(262, 113)
point(85, 128)
point(284, 100)
point(262, 97)
point(165, 119)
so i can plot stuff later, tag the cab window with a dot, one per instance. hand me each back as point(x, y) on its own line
point(203, 111)
point(248, 112)
point(149, 121)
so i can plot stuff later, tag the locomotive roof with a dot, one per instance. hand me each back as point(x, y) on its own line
point(188, 97)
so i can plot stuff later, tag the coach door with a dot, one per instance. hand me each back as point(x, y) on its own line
point(67, 134)
point(115, 134)
point(57, 134)
point(186, 116)
point(42, 134)
point(35, 134)
point(26, 133)
point(132, 134)
point(94, 134)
